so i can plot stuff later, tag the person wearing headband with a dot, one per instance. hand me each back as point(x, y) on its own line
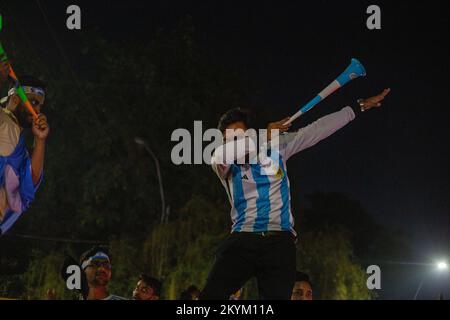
point(20, 173)
point(96, 266)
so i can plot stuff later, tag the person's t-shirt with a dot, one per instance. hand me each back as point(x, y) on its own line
point(9, 132)
point(114, 297)
point(17, 189)
point(9, 137)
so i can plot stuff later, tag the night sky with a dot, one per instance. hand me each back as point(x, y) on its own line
point(395, 160)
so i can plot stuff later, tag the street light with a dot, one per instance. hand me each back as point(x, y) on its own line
point(141, 142)
point(442, 265)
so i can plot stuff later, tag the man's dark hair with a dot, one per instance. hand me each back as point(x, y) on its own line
point(153, 283)
point(70, 261)
point(30, 81)
point(300, 276)
point(192, 289)
point(187, 294)
point(232, 116)
point(86, 255)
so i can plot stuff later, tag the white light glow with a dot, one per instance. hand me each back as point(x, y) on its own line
point(442, 265)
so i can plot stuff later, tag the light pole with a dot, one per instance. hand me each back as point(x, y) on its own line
point(164, 212)
point(141, 142)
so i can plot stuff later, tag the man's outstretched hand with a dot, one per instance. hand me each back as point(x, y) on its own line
point(375, 101)
point(279, 125)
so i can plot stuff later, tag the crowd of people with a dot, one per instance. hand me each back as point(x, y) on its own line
point(96, 266)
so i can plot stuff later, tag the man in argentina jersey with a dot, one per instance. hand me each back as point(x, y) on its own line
point(262, 241)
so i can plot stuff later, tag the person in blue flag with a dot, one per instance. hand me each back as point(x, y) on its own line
point(20, 172)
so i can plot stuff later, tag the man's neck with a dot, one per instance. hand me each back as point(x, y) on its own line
point(97, 293)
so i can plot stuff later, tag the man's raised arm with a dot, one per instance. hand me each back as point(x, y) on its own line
point(40, 131)
point(326, 126)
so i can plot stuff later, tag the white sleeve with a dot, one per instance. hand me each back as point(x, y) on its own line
point(220, 169)
point(229, 153)
point(294, 142)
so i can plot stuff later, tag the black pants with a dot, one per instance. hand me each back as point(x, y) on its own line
point(269, 258)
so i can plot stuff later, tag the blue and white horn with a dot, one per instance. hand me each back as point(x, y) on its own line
point(353, 71)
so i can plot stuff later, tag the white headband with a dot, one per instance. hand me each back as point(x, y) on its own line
point(28, 90)
point(97, 256)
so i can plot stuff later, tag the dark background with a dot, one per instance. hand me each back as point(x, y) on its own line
point(395, 160)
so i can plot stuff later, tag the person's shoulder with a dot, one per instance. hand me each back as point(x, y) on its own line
point(7, 115)
point(114, 297)
point(4, 113)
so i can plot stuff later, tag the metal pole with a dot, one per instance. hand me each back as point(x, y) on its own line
point(161, 189)
point(143, 143)
point(163, 220)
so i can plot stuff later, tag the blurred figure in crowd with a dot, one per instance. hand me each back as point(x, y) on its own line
point(237, 295)
point(191, 293)
point(302, 288)
point(147, 288)
point(50, 294)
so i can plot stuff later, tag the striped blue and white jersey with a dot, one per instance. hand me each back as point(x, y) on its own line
point(261, 202)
